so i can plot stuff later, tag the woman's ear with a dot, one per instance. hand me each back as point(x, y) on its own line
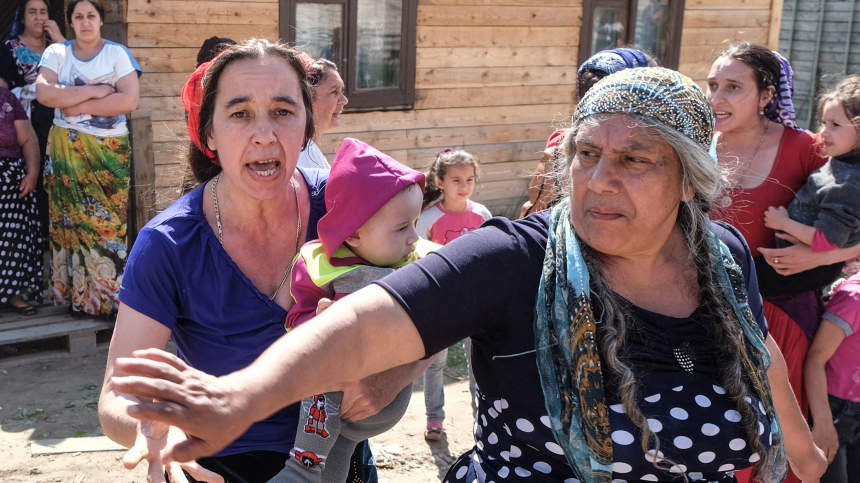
point(687, 194)
point(210, 143)
point(766, 97)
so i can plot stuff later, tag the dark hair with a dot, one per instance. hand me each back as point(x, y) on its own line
point(847, 93)
point(211, 48)
point(18, 27)
point(439, 168)
point(200, 166)
point(317, 72)
point(760, 59)
point(74, 3)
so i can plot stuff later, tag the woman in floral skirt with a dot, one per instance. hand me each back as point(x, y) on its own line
point(88, 169)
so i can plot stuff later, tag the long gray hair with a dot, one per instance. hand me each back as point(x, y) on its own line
point(701, 175)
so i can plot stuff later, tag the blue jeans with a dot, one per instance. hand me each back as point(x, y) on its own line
point(846, 464)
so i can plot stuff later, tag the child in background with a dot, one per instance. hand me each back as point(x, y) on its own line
point(373, 203)
point(832, 379)
point(448, 213)
point(825, 213)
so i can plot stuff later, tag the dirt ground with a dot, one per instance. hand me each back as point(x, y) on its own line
point(58, 399)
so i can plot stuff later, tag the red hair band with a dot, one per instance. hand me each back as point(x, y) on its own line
point(192, 98)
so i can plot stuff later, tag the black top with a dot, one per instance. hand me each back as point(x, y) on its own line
point(483, 285)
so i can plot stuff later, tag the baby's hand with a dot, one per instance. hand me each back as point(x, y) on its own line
point(774, 218)
point(323, 304)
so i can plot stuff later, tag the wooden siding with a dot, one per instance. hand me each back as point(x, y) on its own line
point(493, 77)
point(710, 25)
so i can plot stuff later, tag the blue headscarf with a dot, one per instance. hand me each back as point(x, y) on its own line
point(17, 24)
point(612, 61)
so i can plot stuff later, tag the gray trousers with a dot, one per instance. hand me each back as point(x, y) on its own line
point(325, 443)
point(434, 393)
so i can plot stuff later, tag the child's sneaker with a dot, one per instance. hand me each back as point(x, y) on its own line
point(433, 433)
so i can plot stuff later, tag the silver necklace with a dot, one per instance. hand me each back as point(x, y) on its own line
point(750, 159)
point(295, 186)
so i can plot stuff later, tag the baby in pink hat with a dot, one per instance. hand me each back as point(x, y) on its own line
point(372, 204)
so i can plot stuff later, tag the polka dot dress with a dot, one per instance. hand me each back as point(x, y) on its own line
point(20, 240)
point(697, 426)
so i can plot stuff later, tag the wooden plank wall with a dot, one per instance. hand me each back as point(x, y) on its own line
point(711, 25)
point(492, 76)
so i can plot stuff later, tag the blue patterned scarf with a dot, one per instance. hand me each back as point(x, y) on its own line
point(569, 361)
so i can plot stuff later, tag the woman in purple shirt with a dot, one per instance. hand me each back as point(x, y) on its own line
point(209, 272)
point(21, 256)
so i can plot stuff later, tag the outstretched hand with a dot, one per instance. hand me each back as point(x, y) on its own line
point(208, 409)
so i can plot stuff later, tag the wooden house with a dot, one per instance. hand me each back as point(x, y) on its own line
point(493, 77)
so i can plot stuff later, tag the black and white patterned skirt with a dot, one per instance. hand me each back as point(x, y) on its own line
point(20, 239)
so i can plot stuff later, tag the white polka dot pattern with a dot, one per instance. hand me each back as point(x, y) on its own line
point(20, 234)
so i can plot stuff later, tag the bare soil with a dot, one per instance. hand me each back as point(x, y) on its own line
point(58, 399)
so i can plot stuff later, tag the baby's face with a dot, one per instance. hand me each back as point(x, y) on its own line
point(389, 236)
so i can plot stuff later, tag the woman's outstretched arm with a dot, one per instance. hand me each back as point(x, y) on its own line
point(365, 333)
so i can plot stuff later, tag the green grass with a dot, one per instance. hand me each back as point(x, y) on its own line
point(28, 417)
point(456, 365)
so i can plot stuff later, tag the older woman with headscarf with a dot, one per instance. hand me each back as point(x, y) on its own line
point(618, 337)
point(543, 189)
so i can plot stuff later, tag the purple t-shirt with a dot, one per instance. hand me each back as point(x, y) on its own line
point(179, 274)
point(11, 110)
point(843, 368)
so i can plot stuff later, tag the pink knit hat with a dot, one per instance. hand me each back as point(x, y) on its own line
point(361, 181)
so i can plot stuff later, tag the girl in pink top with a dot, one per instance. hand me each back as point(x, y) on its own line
point(832, 380)
point(448, 213)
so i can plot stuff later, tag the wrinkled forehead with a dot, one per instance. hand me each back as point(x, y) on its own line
point(619, 132)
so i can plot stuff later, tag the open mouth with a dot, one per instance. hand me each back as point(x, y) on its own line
point(722, 114)
point(264, 168)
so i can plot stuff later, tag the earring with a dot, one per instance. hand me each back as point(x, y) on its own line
point(761, 113)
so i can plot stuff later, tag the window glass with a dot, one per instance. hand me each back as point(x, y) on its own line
point(609, 29)
point(319, 30)
point(652, 27)
point(378, 44)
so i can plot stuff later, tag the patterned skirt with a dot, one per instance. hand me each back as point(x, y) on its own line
point(87, 180)
point(20, 241)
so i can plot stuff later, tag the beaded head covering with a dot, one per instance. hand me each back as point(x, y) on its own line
point(665, 95)
point(612, 61)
